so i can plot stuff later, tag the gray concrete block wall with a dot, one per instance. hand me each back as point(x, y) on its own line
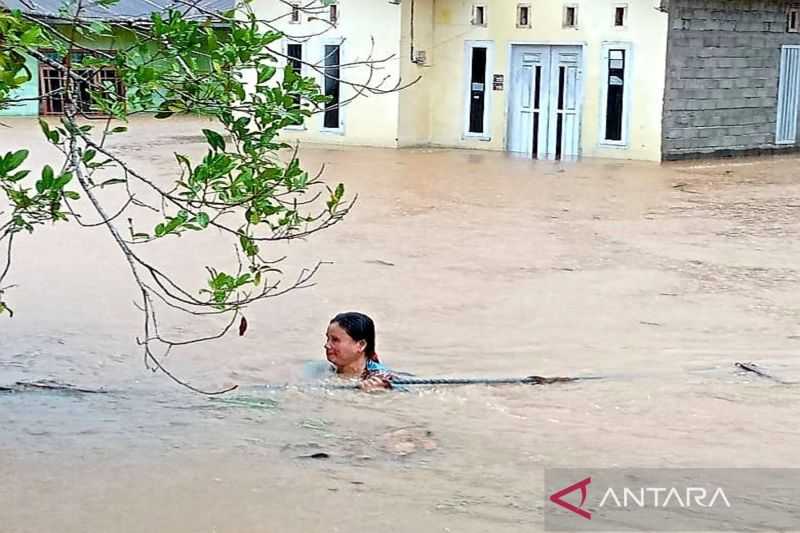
point(723, 59)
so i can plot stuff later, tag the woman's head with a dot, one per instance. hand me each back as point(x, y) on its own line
point(350, 337)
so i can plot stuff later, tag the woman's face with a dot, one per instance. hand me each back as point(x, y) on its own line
point(340, 348)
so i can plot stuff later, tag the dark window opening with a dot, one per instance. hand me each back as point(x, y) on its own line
point(562, 79)
point(332, 55)
point(333, 13)
point(619, 17)
point(793, 20)
point(295, 55)
point(615, 95)
point(570, 16)
point(523, 16)
point(479, 15)
point(295, 16)
point(477, 90)
point(537, 97)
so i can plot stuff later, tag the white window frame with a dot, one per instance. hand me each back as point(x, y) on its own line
point(793, 9)
point(486, 135)
point(340, 42)
point(530, 17)
point(577, 19)
point(338, 8)
point(474, 20)
point(626, 11)
point(627, 99)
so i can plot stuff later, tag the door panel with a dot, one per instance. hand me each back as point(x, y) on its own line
point(545, 101)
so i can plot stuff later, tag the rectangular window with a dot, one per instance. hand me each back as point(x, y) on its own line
point(479, 15)
point(294, 17)
point(477, 77)
point(294, 53)
point(570, 16)
point(52, 84)
point(615, 97)
point(793, 19)
point(523, 16)
point(333, 13)
point(620, 16)
point(332, 56)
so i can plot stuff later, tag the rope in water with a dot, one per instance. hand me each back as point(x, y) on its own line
point(529, 380)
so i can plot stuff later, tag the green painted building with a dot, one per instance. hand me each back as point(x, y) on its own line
point(45, 79)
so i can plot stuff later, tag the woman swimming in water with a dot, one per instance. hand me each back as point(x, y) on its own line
point(350, 348)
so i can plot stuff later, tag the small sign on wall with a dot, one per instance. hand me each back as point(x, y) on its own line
point(497, 82)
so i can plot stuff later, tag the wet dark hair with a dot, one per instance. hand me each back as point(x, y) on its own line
point(360, 327)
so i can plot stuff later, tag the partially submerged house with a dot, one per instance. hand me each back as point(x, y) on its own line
point(557, 79)
point(41, 95)
point(548, 79)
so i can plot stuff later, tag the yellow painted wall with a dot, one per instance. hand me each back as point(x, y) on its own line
point(371, 29)
point(414, 126)
point(646, 29)
point(431, 112)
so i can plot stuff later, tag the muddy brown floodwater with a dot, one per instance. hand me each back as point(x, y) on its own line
point(660, 277)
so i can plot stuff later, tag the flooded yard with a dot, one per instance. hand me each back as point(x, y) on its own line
point(658, 277)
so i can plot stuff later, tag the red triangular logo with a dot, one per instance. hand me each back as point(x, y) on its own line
point(556, 498)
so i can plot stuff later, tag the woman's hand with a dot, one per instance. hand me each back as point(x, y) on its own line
point(374, 383)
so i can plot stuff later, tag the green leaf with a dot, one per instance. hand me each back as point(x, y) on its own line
point(61, 181)
point(19, 175)
point(119, 129)
point(239, 90)
point(45, 127)
point(160, 230)
point(72, 195)
point(215, 140)
point(202, 219)
point(4, 308)
point(164, 114)
point(47, 180)
point(185, 160)
point(248, 246)
point(88, 155)
point(13, 160)
point(289, 76)
point(112, 181)
point(212, 39)
point(147, 74)
point(30, 36)
point(100, 28)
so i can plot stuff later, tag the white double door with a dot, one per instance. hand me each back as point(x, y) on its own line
point(544, 114)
